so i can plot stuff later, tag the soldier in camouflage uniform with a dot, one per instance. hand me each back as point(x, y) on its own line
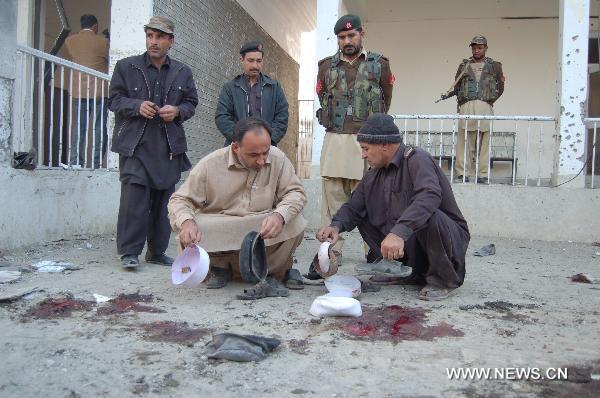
point(479, 83)
point(351, 85)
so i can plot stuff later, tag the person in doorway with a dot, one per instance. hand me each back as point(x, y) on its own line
point(88, 94)
point(252, 94)
point(479, 82)
point(246, 186)
point(351, 85)
point(405, 210)
point(151, 95)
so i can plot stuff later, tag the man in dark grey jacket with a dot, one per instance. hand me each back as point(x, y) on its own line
point(252, 93)
point(151, 96)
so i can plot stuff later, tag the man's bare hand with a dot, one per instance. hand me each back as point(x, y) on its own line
point(271, 226)
point(328, 233)
point(168, 112)
point(392, 247)
point(148, 109)
point(190, 234)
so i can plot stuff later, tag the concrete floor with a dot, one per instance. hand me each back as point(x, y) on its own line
point(517, 309)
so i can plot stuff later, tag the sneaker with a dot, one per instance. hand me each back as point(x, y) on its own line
point(161, 259)
point(482, 180)
point(460, 179)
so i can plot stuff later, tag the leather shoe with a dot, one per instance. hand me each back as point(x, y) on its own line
point(129, 261)
point(161, 259)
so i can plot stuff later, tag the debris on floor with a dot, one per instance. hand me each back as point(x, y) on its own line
point(8, 297)
point(487, 250)
point(100, 298)
point(240, 348)
point(54, 266)
point(585, 278)
point(7, 276)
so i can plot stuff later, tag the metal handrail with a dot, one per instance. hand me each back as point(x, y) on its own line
point(478, 117)
point(63, 62)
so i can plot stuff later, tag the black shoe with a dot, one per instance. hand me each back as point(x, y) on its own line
point(219, 278)
point(129, 261)
point(482, 180)
point(460, 179)
point(161, 259)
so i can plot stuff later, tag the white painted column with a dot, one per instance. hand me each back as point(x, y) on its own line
point(127, 38)
point(328, 12)
point(570, 153)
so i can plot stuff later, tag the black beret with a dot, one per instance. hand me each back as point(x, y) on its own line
point(347, 22)
point(251, 46)
point(379, 129)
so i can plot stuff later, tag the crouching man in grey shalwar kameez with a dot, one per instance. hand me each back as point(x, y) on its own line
point(405, 210)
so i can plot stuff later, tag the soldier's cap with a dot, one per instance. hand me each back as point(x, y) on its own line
point(379, 129)
point(250, 47)
point(347, 22)
point(162, 24)
point(478, 40)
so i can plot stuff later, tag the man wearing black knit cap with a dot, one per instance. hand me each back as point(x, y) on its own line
point(410, 215)
point(252, 94)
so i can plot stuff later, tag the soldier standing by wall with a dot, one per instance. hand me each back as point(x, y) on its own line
point(479, 83)
point(351, 85)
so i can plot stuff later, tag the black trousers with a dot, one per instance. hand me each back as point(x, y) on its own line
point(143, 216)
point(436, 252)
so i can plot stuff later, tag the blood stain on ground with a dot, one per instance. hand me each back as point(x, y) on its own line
point(128, 303)
point(62, 307)
point(174, 332)
point(395, 323)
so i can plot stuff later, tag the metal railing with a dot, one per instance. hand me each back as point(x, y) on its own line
point(592, 123)
point(524, 141)
point(62, 111)
point(305, 136)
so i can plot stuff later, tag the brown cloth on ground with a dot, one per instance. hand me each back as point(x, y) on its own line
point(412, 199)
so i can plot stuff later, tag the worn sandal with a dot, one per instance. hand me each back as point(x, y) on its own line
point(432, 293)
point(270, 287)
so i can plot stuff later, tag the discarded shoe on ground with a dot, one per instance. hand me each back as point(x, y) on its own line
point(240, 348)
point(487, 250)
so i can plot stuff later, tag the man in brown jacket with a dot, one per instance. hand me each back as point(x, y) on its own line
point(405, 210)
point(246, 186)
point(89, 97)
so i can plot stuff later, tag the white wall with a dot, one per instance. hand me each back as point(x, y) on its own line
point(284, 21)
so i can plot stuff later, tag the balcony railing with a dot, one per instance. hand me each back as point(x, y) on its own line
point(62, 111)
point(523, 143)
